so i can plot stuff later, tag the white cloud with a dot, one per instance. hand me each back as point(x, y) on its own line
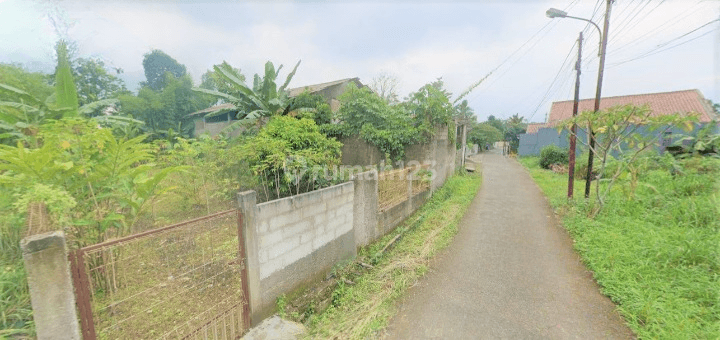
point(461, 42)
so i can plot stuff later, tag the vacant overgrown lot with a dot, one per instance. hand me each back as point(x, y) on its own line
point(655, 246)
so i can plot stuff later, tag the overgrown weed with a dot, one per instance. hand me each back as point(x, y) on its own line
point(656, 251)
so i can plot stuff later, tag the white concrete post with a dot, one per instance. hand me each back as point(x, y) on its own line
point(51, 289)
point(247, 204)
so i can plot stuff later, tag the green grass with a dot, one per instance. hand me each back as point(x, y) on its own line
point(15, 310)
point(360, 309)
point(654, 252)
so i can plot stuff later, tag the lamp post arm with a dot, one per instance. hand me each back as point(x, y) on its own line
point(596, 26)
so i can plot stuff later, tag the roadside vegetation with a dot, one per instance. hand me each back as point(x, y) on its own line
point(79, 154)
point(654, 247)
point(359, 299)
point(105, 162)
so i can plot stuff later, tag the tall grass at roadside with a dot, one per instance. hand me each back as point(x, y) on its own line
point(359, 310)
point(15, 310)
point(654, 252)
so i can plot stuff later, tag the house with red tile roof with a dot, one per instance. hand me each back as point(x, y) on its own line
point(538, 135)
point(534, 127)
point(663, 103)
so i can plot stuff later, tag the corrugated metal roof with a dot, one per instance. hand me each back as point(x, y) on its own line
point(319, 87)
point(291, 93)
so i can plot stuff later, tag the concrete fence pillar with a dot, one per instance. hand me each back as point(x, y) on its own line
point(247, 204)
point(51, 290)
point(408, 203)
point(365, 207)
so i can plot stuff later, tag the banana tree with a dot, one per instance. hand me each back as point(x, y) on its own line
point(21, 118)
point(264, 99)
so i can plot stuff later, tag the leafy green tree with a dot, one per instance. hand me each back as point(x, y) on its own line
point(165, 110)
point(94, 82)
point(22, 113)
point(618, 131)
point(65, 92)
point(513, 128)
point(284, 150)
point(33, 83)
point(497, 123)
point(430, 106)
point(483, 134)
point(313, 106)
point(364, 113)
point(156, 63)
point(393, 127)
point(213, 80)
point(464, 113)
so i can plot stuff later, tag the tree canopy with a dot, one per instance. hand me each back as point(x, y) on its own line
point(483, 134)
point(94, 82)
point(156, 64)
point(166, 109)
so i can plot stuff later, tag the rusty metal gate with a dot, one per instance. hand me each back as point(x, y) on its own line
point(183, 281)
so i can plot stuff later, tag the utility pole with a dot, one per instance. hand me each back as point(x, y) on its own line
point(591, 134)
point(717, 63)
point(573, 130)
point(464, 141)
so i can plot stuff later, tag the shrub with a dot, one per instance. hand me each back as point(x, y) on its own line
point(553, 154)
point(288, 155)
point(581, 165)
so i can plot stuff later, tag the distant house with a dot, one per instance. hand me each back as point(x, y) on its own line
point(539, 135)
point(213, 125)
point(331, 90)
point(663, 103)
point(534, 127)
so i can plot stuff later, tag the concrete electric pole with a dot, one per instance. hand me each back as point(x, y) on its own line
point(573, 130)
point(591, 134)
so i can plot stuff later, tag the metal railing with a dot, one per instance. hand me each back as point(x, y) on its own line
point(186, 280)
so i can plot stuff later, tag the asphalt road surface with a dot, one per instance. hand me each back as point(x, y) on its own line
point(510, 273)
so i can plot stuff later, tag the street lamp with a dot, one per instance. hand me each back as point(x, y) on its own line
point(556, 13)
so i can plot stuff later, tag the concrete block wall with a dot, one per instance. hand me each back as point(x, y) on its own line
point(391, 218)
point(300, 238)
point(439, 151)
point(295, 241)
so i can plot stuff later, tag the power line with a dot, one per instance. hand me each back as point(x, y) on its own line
point(562, 67)
point(664, 26)
point(621, 26)
point(593, 53)
point(621, 19)
point(656, 51)
point(553, 23)
point(636, 22)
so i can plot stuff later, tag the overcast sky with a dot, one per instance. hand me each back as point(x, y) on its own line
point(416, 41)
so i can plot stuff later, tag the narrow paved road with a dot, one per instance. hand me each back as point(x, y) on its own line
point(510, 273)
